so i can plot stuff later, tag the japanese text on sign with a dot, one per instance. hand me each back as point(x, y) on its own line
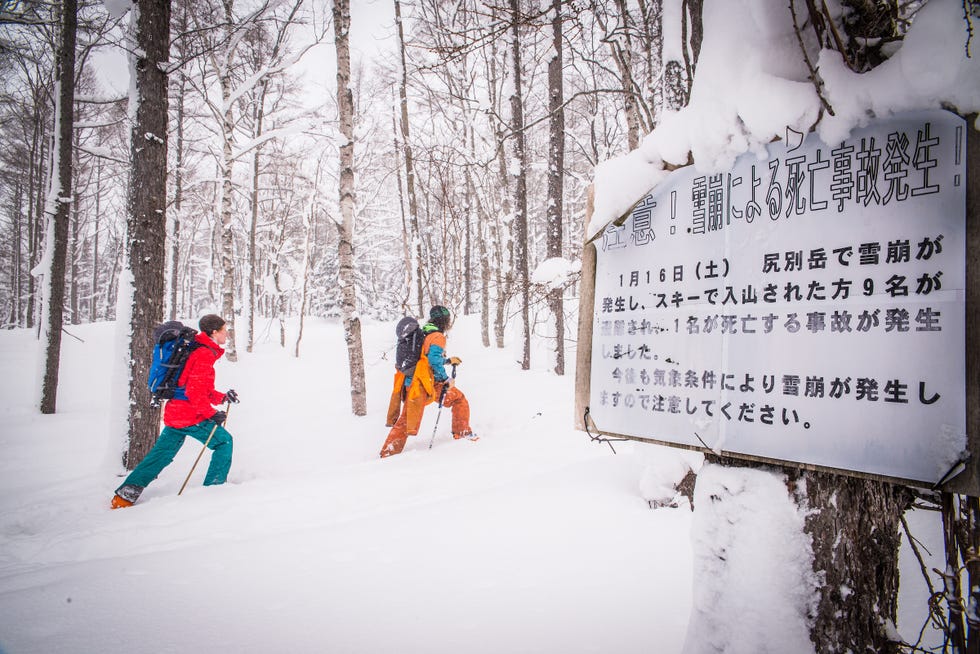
point(807, 307)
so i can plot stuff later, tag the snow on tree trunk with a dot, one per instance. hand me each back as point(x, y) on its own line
point(227, 233)
point(741, 517)
point(309, 216)
point(345, 101)
point(258, 115)
point(674, 55)
point(178, 173)
point(503, 244)
point(556, 172)
point(228, 138)
point(520, 192)
point(57, 210)
point(147, 221)
point(35, 209)
point(854, 525)
point(93, 306)
point(840, 573)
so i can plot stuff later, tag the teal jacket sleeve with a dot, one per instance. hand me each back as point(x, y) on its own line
point(437, 361)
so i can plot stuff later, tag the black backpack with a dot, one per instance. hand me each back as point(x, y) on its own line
point(409, 349)
point(173, 343)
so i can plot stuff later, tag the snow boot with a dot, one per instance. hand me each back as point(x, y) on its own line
point(119, 503)
point(126, 495)
point(468, 435)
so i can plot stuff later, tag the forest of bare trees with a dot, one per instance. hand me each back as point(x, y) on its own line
point(473, 148)
point(240, 175)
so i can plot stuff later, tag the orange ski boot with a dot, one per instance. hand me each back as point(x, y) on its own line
point(119, 503)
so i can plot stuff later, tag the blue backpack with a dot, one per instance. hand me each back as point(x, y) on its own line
point(174, 342)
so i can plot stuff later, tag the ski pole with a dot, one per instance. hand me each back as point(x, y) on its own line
point(201, 453)
point(442, 396)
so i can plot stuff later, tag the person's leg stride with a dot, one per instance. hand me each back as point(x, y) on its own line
point(221, 447)
point(395, 442)
point(158, 458)
point(460, 406)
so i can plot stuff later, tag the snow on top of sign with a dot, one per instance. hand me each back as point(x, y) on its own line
point(751, 85)
point(931, 70)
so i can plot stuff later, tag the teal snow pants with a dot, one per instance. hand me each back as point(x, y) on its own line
point(167, 446)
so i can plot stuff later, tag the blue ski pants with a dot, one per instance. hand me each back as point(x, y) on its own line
point(168, 444)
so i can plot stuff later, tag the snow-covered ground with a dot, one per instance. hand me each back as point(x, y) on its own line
point(532, 539)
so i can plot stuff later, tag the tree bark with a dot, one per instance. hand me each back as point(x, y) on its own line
point(556, 173)
point(345, 102)
point(623, 58)
point(416, 267)
point(59, 208)
point(178, 175)
point(17, 211)
point(695, 9)
point(854, 525)
point(94, 305)
point(406, 235)
point(502, 239)
point(520, 192)
point(147, 216)
point(74, 221)
point(35, 200)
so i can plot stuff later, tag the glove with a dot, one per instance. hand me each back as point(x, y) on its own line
point(455, 361)
point(231, 396)
point(219, 418)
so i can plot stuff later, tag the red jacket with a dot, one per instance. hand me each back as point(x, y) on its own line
point(198, 380)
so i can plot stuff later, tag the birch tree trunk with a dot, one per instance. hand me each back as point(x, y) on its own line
point(15, 272)
point(93, 306)
point(309, 217)
point(147, 215)
point(520, 192)
point(345, 102)
point(74, 220)
point(556, 173)
point(503, 242)
point(35, 209)
point(227, 234)
point(58, 208)
point(259, 114)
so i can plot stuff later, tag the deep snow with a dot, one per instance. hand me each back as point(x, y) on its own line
point(532, 539)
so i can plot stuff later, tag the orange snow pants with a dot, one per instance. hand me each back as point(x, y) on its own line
point(400, 431)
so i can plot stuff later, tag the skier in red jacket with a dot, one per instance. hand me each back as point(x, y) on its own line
point(194, 417)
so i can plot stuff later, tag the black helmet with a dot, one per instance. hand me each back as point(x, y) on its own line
point(438, 311)
point(439, 316)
